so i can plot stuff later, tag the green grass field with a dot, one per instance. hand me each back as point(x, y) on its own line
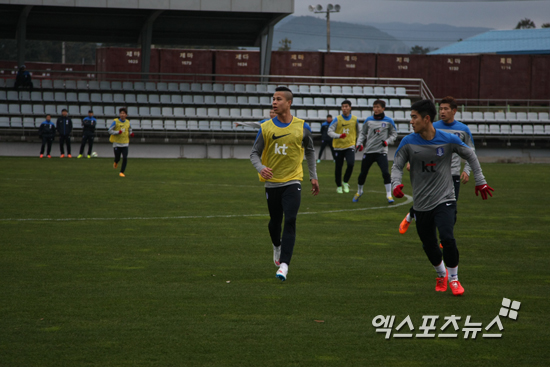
point(172, 266)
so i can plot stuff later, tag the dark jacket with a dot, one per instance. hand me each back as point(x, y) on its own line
point(89, 124)
point(64, 125)
point(47, 130)
point(23, 76)
point(324, 131)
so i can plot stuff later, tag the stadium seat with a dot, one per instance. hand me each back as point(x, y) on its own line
point(175, 99)
point(231, 100)
point(257, 113)
point(473, 128)
point(35, 96)
point(179, 112)
point(198, 99)
point(96, 98)
point(204, 125)
point(58, 84)
point(107, 98)
point(301, 114)
point(489, 117)
point(406, 103)
point(265, 101)
point(224, 112)
point(522, 116)
point(46, 83)
point(83, 97)
point(240, 88)
point(362, 102)
point(261, 88)
point(538, 129)
point(319, 102)
point(144, 111)
point(312, 114)
point(395, 102)
point(390, 91)
point(192, 125)
point(403, 127)
point(167, 112)
point(315, 127)
point(467, 117)
point(511, 116)
point(118, 98)
point(516, 129)
point(297, 101)
point(181, 125)
point(156, 112)
point(184, 87)
point(150, 86)
point(368, 91)
point(165, 99)
point(16, 122)
point(401, 91)
point(130, 98)
point(209, 100)
point(158, 125)
point(190, 112)
point(500, 116)
point(528, 129)
point(242, 100)
point(379, 91)
point(482, 128)
point(26, 109)
point(478, 117)
point(154, 99)
point(206, 87)
point(212, 112)
point(334, 113)
point(217, 88)
point(314, 89)
point(187, 99)
point(246, 113)
point(109, 111)
point(250, 88)
point(389, 114)
point(532, 117)
point(399, 115)
point(139, 86)
point(74, 111)
point(38, 109)
point(220, 100)
point(146, 124)
point(202, 112)
point(215, 125)
point(543, 117)
point(226, 126)
point(14, 109)
point(254, 100)
point(353, 101)
point(347, 90)
point(325, 89)
point(308, 102)
point(3, 95)
point(170, 125)
point(128, 86)
point(24, 96)
point(322, 114)
point(303, 89)
point(93, 85)
point(330, 102)
point(50, 109)
point(173, 87)
point(294, 88)
point(162, 87)
point(494, 129)
point(59, 97)
point(116, 86)
point(229, 88)
point(235, 112)
point(357, 91)
point(336, 90)
point(4, 122)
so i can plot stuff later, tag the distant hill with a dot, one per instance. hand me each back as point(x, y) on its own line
point(310, 34)
point(428, 35)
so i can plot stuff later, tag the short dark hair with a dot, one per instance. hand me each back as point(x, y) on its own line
point(64, 110)
point(287, 92)
point(123, 109)
point(346, 101)
point(451, 101)
point(425, 108)
point(48, 115)
point(90, 111)
point(379, 102)
point(329, 116)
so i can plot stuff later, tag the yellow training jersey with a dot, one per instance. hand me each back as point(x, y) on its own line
point(345, 127)
point(283, 151)
point(123, 138)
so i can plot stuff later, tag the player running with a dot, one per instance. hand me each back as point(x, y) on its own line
point(343, 131)
point(447, 112)
point(430, 153)
point(277, 155)
point(121, 131)
point(379, 131)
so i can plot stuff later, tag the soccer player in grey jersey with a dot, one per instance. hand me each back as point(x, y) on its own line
point(447, 111)
point(378, 131)
point(429, 152)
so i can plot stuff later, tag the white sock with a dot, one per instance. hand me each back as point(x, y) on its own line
point(440, 270)
point(408, 217)
point(453, 273)
point(283, 267)
point(388, 189)
point(360, 189)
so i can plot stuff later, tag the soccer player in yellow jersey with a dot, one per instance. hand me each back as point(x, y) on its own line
point(343, 131)
point(120, 132)
point(277, 155)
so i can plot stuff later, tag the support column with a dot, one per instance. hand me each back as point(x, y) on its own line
point(21, 35)
point(145, 38)
point(266, 44)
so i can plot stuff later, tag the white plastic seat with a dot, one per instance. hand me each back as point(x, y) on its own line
point(399, 115)
point(187, 99)
point(505, 128)
point(83, 97)
point(179, 112)
point(322, 114)
point(81, 84)
point(314, 89)
point(511, 116)
point(14, 109)
point(212, 112)
point(175, 99)
point(50, 109)
point(532, 116)
point(368, 91)
point(144, 111)
point(242, 100)
point(226, 126)
point(467, 116)
point(336, 89)
point(217, 88)
point(538, 129)
point(130, 98)
point(59, 97)
point(235, 112)
point(406, 103)
point(28, 123)
point(109, 111)
point(403, 127)
point(167, 112)
point(58, 84)
point(224, 112)
point(192, 125)
point(204, 125)
point(482, 128)
point(303, 89)
point(379, 91)
point(210, 100)
point(162, 87)
point(395, 102)
point(231, 100)
point(516, 129)
point(170, 125)
point(319, 101)
point(473, 128)
point(489, 117)
point(478, 116)
point(522, 116)
point(250, 88)
point(330, 102)
point(254, 100)
point(220, 100)
point(357, 91)
point(142, 98)
point(35, 96)
point(202, 112)
point(118, 98)
point(139, 86)
point(500, 116)
point(528, 129)
point(116, 85)
point(246, 112)
point(146, 124)
point(389, 114)
point(74, 110)
point(158, 125)
point(4, 122)
point(543, 117)
point(401, 91)
point(325, 89)
point(261, 88)
point(107, 98)
point(93, 85)
point(257, 113)
point(494, 129)
point(190, 112)
point(38, 109)
point(301, 114)
point(154, 99)
point(26, 109)
point(165, 99)
point(315, 127)
point(127, 86)
point(198, 99)
point(229, 88)
point(46, 84)
point(184, 87)
point(215, 125)
point(298, 101)
point(24, 96)
point(151, 86)
point(181, 125)
point(294, 88)
point(362, 102)
point(173, 87)
point(16, 122)
point(312, 114)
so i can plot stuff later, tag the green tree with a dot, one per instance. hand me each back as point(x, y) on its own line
point(419, 50)
point(284, 44)
point(526, 24)
point(545, 25)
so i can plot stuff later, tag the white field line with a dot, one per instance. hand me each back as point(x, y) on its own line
point(409, 200)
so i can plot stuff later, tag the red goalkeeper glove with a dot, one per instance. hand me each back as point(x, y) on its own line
point(397, 191)
point(385, 143)
point(342, 136)
point(120, 131)
point(484, 190)
point(132, 135)
point(359, 148)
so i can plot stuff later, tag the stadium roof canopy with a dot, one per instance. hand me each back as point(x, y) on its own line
point(165, 22)
point(513, 42)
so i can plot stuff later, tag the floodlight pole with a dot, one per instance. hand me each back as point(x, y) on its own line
point(328, 11)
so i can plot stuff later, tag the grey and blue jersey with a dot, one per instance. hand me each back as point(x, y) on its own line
point(431, 161)
point(463, 132)
point(375, 132)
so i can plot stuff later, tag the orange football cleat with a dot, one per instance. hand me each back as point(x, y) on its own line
point(41, 155)
point(404, 226)
point(62, 156)
point(122, 174)
point(70, 156)
point(115, 165)
point(441, 283)
point(456, 288)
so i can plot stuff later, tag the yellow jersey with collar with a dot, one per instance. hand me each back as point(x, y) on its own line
point(283, 150)
point(348, 127)
point(123, 138)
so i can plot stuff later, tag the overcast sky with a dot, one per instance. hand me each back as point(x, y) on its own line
point(491, 14)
